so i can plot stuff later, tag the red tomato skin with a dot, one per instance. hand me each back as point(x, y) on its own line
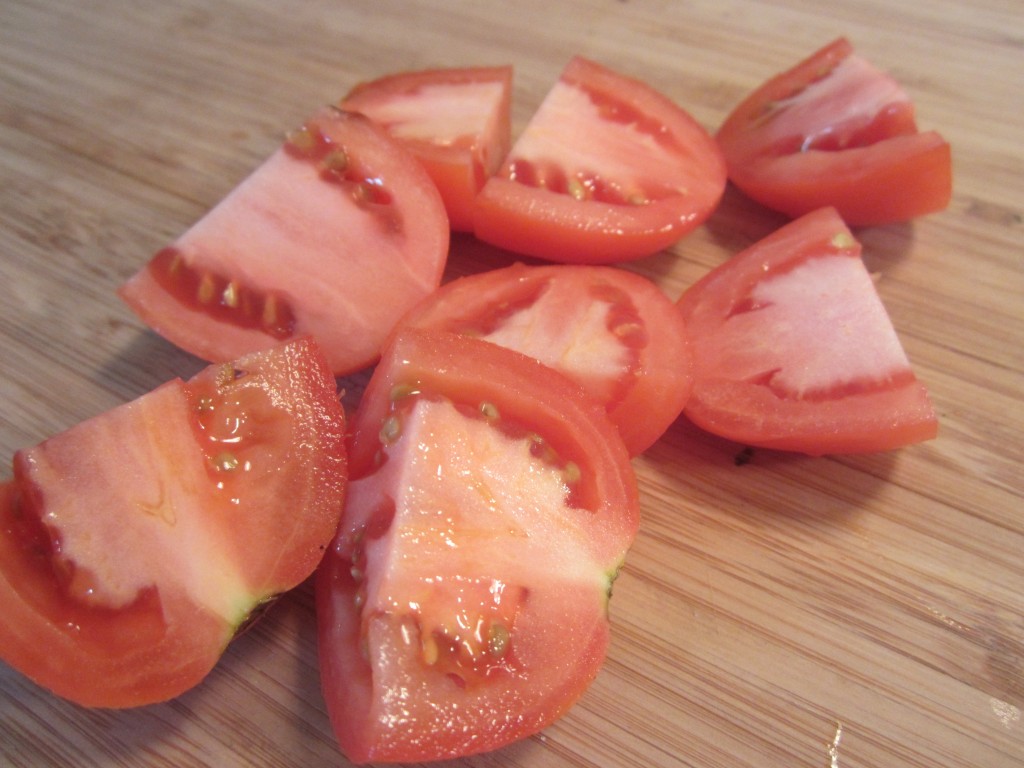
point(855, 418)
point(165, 640)
point(308, 469)
point(343, 268)
point(93, 657)
point(756, 418)
point(548, 225)
point(891, 173)
point(555, 226)
point(525, 391)
point(458, 167)
point(896, 180)
point(649, 396)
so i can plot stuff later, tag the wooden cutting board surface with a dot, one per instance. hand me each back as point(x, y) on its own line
point(783, 611)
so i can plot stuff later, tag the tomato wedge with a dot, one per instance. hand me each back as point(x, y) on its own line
point(794, 350)
point(835, 131)
point(613, 331)
point(337, 234)
point(464, 603)
point(456, 121)
point(134, 545)
point(607, 170)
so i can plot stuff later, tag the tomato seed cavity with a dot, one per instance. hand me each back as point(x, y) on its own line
point(580, 185)
point(335, 164)
point(221, 297)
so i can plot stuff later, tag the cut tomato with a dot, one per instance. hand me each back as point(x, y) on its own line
point(134, 545)
point(336, 235)
point(613, 331)
point(463, 604)
point(607, 170)
point(835, 131)
point(457, 122)
point(794, 350)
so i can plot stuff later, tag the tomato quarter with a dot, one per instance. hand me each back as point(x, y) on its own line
point(336, 235)
point(463, 604)
point(794, 350)
point(607, 170)
point(835, 131)
point(613, 331)
point(135, 544)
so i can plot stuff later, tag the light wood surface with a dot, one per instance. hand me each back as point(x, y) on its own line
point(788, 611)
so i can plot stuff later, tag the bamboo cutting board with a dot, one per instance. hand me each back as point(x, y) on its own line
point(776, 611)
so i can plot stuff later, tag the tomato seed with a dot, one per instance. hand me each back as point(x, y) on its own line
point(229, 296)
point(207, 289)
point(335, 162)
point(225, 462)
point(843, 240)
point(498, 639)
point(429, 650)
point(390, 430)
point(577, 189)
point(400, 391)
point(302, 140)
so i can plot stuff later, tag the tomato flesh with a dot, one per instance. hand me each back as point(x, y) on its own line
point(335, 235)
point(463, 604)
point(135, 544)
point(613, 331)
point(456, 121)
point(835, 131)
point(794, 350)
point(607, 170)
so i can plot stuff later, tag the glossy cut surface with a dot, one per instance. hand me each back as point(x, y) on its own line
point(135, 544)
point(463, 604)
